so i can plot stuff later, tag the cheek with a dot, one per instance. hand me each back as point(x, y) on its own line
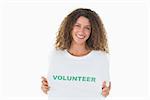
point(88, 34)
point(74, 30)
point(73, 34)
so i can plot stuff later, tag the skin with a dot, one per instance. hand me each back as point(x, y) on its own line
point(80, 33)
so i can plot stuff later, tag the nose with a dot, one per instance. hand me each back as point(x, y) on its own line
point(81, 33)
point(81, 30)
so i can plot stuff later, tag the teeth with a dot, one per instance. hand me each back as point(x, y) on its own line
point(80, 36)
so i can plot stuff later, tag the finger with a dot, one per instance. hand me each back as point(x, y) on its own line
point(43, 78)
point(109, 85)
point(105, 89)
point(105, 94)
point(104, 84)
point(45, 85)
point(45, 82)
point(44, 88)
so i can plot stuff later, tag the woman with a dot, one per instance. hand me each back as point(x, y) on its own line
point(81, 41)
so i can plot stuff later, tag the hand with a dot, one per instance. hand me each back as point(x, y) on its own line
point(105, 89)
point(44, 86)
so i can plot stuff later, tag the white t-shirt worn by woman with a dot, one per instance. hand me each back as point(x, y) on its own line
point(77, 78)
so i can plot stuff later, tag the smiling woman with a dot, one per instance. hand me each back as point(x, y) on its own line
point(80, 56)
point(84, 25)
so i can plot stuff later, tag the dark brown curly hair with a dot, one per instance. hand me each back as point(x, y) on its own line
point(97, 39)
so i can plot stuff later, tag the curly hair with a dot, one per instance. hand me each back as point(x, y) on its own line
point(97, 39)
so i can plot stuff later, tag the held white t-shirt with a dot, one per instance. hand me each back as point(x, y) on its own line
point(77, 78)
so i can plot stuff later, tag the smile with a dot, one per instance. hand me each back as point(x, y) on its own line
point(80, 36)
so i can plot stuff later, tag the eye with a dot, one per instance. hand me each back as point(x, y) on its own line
point(87, 28)
point(77, 25)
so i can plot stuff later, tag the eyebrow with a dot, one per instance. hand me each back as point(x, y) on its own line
point(80, 24)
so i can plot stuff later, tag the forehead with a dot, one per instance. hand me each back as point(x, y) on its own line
point(83, 20)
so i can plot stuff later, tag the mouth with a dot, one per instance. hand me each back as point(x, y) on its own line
point(80, 36)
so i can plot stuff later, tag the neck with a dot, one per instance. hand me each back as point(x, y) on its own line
point(79, 49)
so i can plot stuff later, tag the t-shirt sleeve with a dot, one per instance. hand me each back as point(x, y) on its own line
point(51, 56)
point(105, 69)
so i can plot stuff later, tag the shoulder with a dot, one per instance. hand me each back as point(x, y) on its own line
point(100, 54)
point(56, 52)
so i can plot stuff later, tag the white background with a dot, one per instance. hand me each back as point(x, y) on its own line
point(28, 32)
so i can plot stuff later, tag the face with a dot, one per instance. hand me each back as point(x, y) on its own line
point(81, 30)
